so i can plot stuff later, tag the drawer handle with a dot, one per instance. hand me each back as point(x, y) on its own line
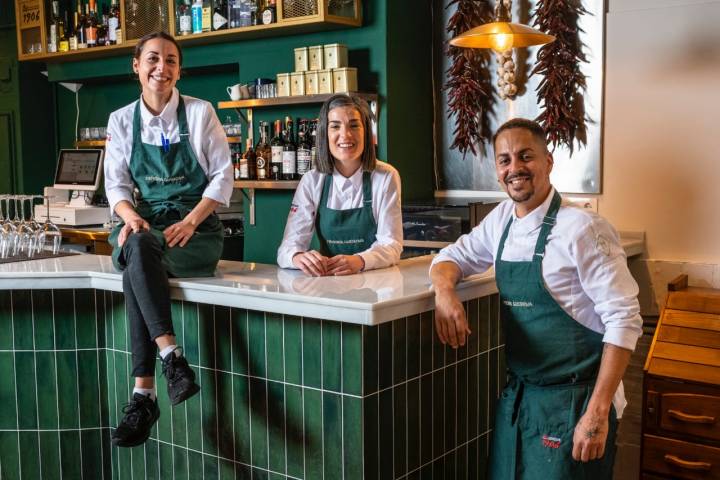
point(679, 462)
point(686, 417)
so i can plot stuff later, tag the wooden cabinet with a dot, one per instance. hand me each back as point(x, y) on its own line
point(681, 392)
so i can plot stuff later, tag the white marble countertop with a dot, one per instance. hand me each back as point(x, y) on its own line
point(368, 298)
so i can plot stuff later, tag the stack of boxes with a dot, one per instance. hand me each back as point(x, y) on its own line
point(318, 69)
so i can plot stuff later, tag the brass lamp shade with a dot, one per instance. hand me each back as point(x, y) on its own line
point(501, 36)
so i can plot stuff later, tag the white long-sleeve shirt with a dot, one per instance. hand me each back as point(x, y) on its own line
point(584, 268)
point(346, 193)
point(207, 140)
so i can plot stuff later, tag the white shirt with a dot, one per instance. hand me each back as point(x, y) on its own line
point(346, 193)
point(207, 140)
point(584, 267)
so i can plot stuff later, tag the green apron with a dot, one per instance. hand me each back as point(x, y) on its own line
point(171, 182)
point(553, 363)
point(345, 232)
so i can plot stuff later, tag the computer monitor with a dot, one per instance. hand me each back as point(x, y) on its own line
point(79, 169)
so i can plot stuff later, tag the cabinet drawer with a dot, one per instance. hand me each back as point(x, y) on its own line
point(691, 414)
point(678, 459)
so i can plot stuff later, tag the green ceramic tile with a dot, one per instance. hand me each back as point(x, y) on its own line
point(70, 454)
point(154, 458)
point(427, 335)
point(276, 476)
point(256, 328)
point(275, 346)
point(331, 356)
point(241, 418)
point(473, 397)
point(26, 395)
point(22, 319)
point(179, 425)
point(46, 390)
point(370, 360)
point(209, 412)
point(294, 430)
point(462, 403)
point(332, 435)
point(399, 433)
point(462, 351)
point(450, 465)
point(461, 462)
point(195, 462)
point(313, 434)
point(438, 355)
point(225, 415)
point(451, 420)
point(206, 325)
point(119, 320)
point(426, 473)
point(276, 426)
point(496, 333)
point(122, 380)
point(193, 406)
point(180, 463)
point(8, 412)
point(88, 388)
point(227, 470)
point(293, 349)
point(30, 455)
point(385, 355)
point(483, 457)
point(137, 461)
point(91, 441)
point(312, 356)
point(163, 427)
point(352, 365)
point(258, 474)
point(43, 319)
point(67, 386)
point(210, 468)
point(371, 436)
point(472, 460)
point(107, 316)
point(426, 419)
point(484, 395)
point(413, 346)
point(258, 422)
point(439, 468)
point(223, 339)
point(239, 340)
point(438, 413)
point(176, 313)
point(190, 341)
point(111, 388)
point(385, 446)
point(502, 368)
point(10, 464)
point(86, 322)
point(493, 382)
point(6, 328)
point(399, 329)
point(484, 324)
point(413, 425)
point(243, 472)
point(50, 455)
point(352, 438)
point(106, 453)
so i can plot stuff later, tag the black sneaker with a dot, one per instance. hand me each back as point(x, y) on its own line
point(140, 416)
point(180, 378)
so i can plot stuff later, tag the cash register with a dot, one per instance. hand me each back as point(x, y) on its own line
point(77, 177)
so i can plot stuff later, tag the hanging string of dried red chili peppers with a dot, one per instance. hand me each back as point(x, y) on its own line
point(560, 92)
point(470, 95)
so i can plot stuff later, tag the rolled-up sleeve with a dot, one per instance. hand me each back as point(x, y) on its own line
point(217, 154)
point(387, 247)
point(472, 252)
point(118, 148)
point(300, 224)
point(606, 280)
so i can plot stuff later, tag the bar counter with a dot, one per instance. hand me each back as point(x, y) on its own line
point(302, 378)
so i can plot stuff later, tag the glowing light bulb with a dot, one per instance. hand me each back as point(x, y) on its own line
point(501, 42)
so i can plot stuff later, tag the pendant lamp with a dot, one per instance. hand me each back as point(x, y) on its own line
point(501, 35)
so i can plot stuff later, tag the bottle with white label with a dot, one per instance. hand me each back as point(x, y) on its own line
point(304, 149)
point(219, 20)
point(197, 14)
point(276, 153)
point(289, 158)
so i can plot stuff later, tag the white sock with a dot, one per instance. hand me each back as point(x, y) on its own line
point(148, 392)
point(167, 350)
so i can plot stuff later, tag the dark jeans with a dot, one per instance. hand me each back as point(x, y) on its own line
point(147, 299)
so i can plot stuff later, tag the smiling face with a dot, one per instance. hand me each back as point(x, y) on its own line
point(346, 138)
point(523, 165)
point(158, 67)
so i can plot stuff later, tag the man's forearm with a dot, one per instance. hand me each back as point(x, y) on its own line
point(612, 368)
point(445, 275)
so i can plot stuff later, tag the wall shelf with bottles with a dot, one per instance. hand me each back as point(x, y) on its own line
point(34, 20)
point(234, 139)
point(90, 143)
point(295, 100)
point(267, 184)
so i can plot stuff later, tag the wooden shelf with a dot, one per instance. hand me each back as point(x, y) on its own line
point(89, 143)
point(234, 139)
point(267, 184)
point(296, 100)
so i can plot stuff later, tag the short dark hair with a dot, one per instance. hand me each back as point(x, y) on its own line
point(530, 125)
point(150, 36)
point(325, 161)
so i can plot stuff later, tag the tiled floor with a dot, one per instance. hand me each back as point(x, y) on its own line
point(627, 462)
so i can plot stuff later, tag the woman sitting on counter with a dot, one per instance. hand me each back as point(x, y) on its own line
point(350, 199)
point(171, 149)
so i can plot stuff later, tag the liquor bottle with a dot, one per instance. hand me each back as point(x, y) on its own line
point(91, 25)
point(64, 43)
point(72, 32)
point(80, 32)
point(289, 155)
point(184, 20)
point(197, 15)
point(245, 19)
point(236, 159)
point(313, 142)
point(219, 20)
point(304, 150)
point(102, 28)
point(248, 162)
point(253, 12)
point(206, 15)
point(269, 13)
point(54, 28)
point(276, 153)
point(113, 21)
point(262, 151)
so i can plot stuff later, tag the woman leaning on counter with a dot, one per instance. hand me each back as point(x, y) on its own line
point(350, 199)
point(172, 151)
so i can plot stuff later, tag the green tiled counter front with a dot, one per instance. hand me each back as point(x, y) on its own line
point(282, 396)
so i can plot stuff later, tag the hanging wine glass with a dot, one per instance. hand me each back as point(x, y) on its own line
point(50, 233)
point(25, 231)
point(8, 231)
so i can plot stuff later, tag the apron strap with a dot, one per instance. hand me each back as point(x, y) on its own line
point(137, 125)
point(367, 190)
point(547, 225)
point(325, 191)
point(182, 119)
